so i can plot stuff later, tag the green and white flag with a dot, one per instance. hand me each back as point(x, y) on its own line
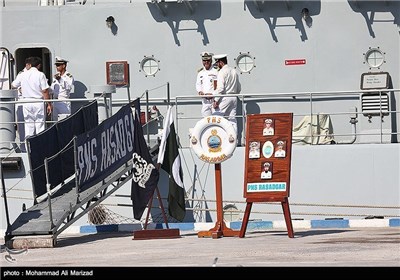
point(170, 161)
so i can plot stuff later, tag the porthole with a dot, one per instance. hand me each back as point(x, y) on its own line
point(231, 213)
point(245, 62)
point(150, 66)
point(374, 57)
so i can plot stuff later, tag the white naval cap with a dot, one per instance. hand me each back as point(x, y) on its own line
point(220, 56)
point(60, 60)
point(280, 143)
point(206, 55)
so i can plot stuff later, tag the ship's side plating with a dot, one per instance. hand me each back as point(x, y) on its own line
point(292, 54)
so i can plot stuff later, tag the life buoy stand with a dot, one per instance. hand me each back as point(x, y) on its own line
point(213, 139)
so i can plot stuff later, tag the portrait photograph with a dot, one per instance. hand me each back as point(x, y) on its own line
point(266, 170)
point(280, 151)
point(268, 127)
point(254, 151)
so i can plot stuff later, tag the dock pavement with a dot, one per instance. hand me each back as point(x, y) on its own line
point(350, 247)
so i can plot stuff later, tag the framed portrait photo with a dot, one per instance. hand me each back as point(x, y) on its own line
point(269, 128)
point(266, 170)
point(254, 149)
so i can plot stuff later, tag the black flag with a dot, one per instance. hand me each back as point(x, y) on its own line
point(145, 174)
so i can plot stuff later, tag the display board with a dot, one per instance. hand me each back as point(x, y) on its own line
point(268, 155)
point(267, 163)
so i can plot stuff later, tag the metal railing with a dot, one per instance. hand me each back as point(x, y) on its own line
point(45, 3)
point(289, 99)
point(312, 99)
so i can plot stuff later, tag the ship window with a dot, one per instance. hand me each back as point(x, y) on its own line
point(231, 213)
point(374, 57)
point(245, 62)
point(149, 66)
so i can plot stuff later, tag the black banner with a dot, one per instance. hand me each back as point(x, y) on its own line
point(53, 140)
point(104, 149)
point(145, 174)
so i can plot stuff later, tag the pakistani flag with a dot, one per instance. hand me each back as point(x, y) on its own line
point(170, 161)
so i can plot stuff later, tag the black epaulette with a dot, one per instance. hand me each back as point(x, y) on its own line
point(69, 75)
point(198, 71)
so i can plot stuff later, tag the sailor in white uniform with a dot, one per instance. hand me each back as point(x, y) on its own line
point(34, 88)
point(228, 84)
point(206, 79)
point(266, 173)
point(280, 152)
point(254, 150)
point(268, 128)
point(61, 87)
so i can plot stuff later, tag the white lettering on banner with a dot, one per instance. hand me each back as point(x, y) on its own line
point(87, 159)
point(129, 132)
point(115, 143)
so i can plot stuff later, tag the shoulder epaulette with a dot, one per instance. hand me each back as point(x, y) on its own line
point(198, 71)
point(69, 75)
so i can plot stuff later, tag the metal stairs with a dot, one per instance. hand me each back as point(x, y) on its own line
point(58, 211)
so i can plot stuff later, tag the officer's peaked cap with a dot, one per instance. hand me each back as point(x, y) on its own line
point(206, 55)
point(60, 60)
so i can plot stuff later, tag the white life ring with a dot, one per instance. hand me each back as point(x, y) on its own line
point(213, 139)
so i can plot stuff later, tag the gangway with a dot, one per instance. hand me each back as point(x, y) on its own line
point(50, 218)
point(75, 165)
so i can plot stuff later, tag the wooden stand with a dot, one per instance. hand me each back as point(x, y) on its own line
point(220, 229)
point(269, 139)
point(286, 212)
point(156, 233)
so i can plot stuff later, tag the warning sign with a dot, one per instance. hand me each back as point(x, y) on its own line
point(295, 61)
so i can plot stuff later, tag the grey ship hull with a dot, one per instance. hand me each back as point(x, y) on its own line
point(354, 178)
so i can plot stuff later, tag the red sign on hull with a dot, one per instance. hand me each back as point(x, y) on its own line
point(295, 61)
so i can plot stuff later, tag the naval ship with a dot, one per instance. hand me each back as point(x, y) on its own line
point(335, 65)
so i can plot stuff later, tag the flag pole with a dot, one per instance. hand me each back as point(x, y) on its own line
point(156, 233)
point(161, 205)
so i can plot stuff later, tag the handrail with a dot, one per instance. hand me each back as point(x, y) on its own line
point(311, 97)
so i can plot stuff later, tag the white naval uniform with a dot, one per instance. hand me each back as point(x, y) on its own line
point(280, 153)
point(62, 90)
point(254, 153)
point(32, 83)
point(228, 84)
point(268, 131)
point(205, 83)
point(266, 175)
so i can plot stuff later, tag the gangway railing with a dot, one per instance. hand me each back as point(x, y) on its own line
point(67, 195)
